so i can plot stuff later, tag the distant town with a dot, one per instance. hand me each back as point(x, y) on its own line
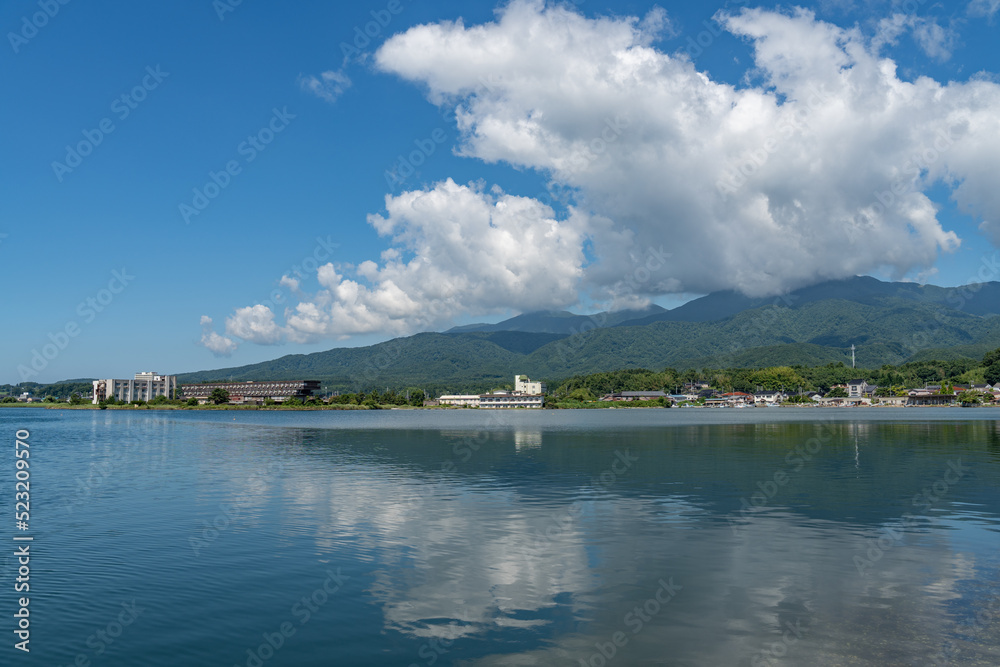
point(150, 389)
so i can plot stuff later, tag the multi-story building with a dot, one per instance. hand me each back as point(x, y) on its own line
point(253, 391)
point(522, 385)
point(503, 399)
point(859, 388)
point(143, 387)
point(526, 394)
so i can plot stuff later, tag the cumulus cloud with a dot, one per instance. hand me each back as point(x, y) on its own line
point(818, 170)
point(453, 248)
point(327, 86)
point(255, 324)
point(218, 345)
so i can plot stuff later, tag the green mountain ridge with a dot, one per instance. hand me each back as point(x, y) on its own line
point(889, 323)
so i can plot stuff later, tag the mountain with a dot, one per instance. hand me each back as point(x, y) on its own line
point(978, 299)
point(889, 323)
point(562, 321)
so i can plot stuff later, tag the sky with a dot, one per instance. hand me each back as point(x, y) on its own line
point(204, 184)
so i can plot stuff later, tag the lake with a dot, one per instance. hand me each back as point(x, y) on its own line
point(474, 537)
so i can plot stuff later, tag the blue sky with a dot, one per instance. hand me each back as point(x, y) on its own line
point(119, 121)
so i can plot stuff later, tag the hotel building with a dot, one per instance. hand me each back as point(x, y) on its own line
point(143, 387)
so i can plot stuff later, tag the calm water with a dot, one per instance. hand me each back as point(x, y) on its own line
point(656, 537)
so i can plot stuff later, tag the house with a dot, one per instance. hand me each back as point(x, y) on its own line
point(735, 399)
point(769, 397)
point(860, 389)
point(893, 401)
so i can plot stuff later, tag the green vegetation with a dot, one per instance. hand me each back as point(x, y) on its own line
point(991, 364)
point(908, 330)
point(219, 396)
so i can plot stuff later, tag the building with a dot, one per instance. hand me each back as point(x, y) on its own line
point(931, 399)
point(769, 397)
point(253, 391)
point(634, 396)
point(143, 387)
point(503, 399)
point(526, 394)
point(522, 385)
point(860, 389)
point(733, 399)
point(462, 400)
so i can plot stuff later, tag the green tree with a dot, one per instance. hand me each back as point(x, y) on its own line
point(992, 363)
point(75, 399)
point(971, 397)
point(192, 402)
point(417, 397)
point(837, 392)
point(219, 396)
point(777, 377)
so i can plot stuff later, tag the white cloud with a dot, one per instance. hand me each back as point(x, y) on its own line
point(255, 324)
point(831, 130)
point(290, 283)
point(818, 172)
point(218, 345)
point(983, 8)
point(934, 40)
point(327, 86)
point(454, 249)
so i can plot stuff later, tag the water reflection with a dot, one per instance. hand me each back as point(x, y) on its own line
point(526, 550)
point(523, 539)
point(527, 439)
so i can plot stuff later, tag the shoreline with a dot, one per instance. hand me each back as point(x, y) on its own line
point(315, 408)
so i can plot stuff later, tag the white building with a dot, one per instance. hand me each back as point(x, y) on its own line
point(470, 400)
point(859, 388)
point(769, 397)
point(502, 399)
point(522, 385)
point(143, 387)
